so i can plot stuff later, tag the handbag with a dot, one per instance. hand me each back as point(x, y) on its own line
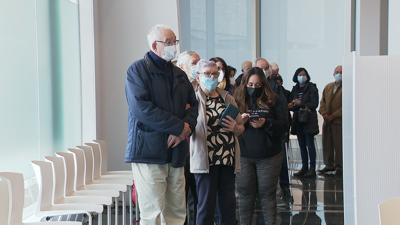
point(304, 115)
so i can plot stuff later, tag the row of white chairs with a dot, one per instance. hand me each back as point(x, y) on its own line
point(71, 183)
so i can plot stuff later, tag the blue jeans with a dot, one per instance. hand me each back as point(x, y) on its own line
point(306, 141)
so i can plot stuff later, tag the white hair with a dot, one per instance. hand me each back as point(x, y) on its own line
point(154, 33)
point(204, 63)
point(183, 58)
point(274, 66)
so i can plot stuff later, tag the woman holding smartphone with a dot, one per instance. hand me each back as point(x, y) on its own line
point(265, 122)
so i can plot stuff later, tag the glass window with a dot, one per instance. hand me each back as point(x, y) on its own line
point(40, 88)
point(308, 33)
point(219, 28)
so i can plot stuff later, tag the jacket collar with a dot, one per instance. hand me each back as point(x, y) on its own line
point(150, 64)
point(176, 71)
point(305, 87)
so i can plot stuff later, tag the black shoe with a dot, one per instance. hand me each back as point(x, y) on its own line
point(301, 172)
point(339, 171)
point(310, 173)
point(326, 169)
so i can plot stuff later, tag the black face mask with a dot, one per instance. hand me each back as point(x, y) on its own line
point(254, 92)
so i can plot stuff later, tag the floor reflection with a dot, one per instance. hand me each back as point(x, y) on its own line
point(317, 200)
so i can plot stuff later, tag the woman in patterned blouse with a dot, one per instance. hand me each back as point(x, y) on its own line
point(265, 120)
point(214, 150)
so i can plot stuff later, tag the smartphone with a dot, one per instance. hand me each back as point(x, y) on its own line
point(254, 118)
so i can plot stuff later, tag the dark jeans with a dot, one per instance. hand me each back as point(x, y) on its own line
point(284, 176)
point(220, 181)
point(306, 141)
point(190, 185)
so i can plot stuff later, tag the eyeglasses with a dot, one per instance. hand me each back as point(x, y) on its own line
point(169, 43)
point(208, 74)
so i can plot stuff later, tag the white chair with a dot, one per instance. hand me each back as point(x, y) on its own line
point(104, 171)
point(75, 185)
point(12, 194)
point(45, 204)
point(91, 179)
point(125, 178)
point(104, 161)
point(60, 196)
point(389, 212)
point(84, 176)
point(5, 203)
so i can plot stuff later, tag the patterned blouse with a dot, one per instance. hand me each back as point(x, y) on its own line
point(220, 143)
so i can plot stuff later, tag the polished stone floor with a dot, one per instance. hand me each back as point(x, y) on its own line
point(316, 200)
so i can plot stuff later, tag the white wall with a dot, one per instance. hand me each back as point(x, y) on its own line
point(120, 39)
point(370, 136)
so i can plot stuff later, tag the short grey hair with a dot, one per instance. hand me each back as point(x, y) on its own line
point(155, 33)
point(204, 63)
point(183, 58)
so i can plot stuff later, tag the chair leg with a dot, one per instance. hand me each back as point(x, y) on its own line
point(100, 219)
point(109, 215)
point(116, 210)
point(130, 205)
point(123, 209)
point(90, 218)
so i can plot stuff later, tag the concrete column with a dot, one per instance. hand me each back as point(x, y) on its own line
point(371, 36)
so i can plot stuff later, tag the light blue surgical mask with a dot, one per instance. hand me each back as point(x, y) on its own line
point(302, 79)
point(193, 71)
point(209, 83)
point(338, 77)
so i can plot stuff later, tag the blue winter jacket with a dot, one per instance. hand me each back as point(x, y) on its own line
point(155, 112)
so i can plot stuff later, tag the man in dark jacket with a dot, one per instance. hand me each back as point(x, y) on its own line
point(157, 93)
point(271, 74)
point(245, 66)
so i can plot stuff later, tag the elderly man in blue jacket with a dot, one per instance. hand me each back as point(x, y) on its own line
point(157, 93)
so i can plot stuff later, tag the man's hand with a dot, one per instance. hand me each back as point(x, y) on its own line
point(173, 141)
point(327, 118)
point(187, 106)
point(290, 105)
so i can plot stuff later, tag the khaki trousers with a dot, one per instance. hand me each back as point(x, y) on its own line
point(332, 144)
point(161, 193)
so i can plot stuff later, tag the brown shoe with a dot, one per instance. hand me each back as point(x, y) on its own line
point(326, 169)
